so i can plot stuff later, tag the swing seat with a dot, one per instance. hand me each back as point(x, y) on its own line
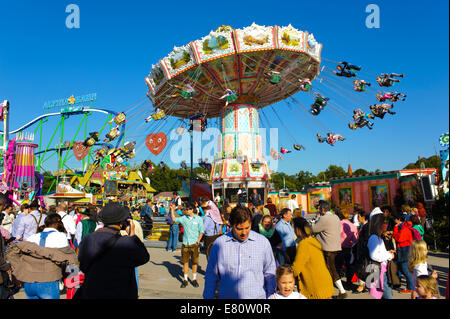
point(275, 78)
point(307, 87)
point(231, 98)
point(90, 141)
point(112, 135)
point(119, 118)
point(159, 115)
point(185, 94)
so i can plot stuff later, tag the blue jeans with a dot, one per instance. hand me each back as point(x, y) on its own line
point(173, 238)
point(387, 290)
point(402, 263)
point(279, 256)
point(403, 269)
point(42, 290)
point(137, 276)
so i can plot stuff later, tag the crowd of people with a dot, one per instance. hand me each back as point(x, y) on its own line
point(47, 252)
point(254, 250)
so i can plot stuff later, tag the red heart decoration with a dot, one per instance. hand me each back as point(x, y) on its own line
point(156, 142)
point(80, 151)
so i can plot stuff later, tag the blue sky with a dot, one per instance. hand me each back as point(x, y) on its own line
point(112, 52)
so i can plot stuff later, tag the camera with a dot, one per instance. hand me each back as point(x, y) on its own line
point(125, 224)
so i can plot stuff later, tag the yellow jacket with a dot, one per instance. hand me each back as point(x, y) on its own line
point(309, 266)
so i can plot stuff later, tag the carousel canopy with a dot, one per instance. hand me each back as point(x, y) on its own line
point(257, 64)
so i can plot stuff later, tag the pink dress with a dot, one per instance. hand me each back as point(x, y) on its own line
point(376, 287)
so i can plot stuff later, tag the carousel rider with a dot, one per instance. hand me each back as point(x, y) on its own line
point(299, 147)
point(347, 70)
point(360, 85)
point(319, 103)
point(390, 96)
point(185, 91)
point(388, 80)
point(112, 134)
point(305, 85)
point(198, 117)
point(119, 119)
point(380, 110)
point(92, 139)
point(360, 120)
point(331, 138)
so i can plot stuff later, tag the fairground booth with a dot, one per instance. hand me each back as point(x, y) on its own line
point(384, 186)
point(306, 198)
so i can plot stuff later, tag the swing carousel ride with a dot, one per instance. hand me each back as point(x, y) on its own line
point(231, 75)
point(239, 80)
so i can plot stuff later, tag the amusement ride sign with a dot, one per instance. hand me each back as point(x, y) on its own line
point(73, 100)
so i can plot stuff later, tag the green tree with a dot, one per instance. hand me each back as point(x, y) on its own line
point(360, 171)
point(433, 161)
point(335, 171)
point(304, 178)
point(279, 178)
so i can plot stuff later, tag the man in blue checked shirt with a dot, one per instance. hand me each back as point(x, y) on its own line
point(241, 262)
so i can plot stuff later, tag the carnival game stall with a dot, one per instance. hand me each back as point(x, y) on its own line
point(306, 198)
point(384, 186)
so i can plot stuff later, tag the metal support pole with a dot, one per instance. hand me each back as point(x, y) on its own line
point(191, 188)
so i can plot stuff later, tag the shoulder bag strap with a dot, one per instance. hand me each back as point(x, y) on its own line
point(37, 222)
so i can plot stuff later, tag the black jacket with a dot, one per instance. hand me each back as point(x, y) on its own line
point(112, 276)
point(361, 252)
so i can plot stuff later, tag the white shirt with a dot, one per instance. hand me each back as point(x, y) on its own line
point(355, 220)
point(8, 220)
point(178, 201)
point(292, 204)
point(68, 222)
point(419, 270)
point(293, 295)
point(54, 240)
point(377, 249)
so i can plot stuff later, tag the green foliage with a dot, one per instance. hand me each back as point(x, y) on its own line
point(292, 182)
point(48, 180)
point(360, 171)
point(430, 162)
point(438, 238)
point(304, 178)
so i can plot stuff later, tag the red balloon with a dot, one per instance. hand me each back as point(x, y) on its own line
point(156, 142)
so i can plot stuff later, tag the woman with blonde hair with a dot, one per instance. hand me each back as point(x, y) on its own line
point(417, 264)
point(427, 287)
point(406, 210)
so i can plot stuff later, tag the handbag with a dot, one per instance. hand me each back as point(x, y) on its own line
point(9, 287)
point(392, 273)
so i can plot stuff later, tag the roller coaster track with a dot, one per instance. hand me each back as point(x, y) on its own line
point(68, 113)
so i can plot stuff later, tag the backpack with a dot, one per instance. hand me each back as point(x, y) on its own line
point(415, 233)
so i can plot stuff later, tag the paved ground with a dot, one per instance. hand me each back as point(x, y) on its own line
point(161, 277)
